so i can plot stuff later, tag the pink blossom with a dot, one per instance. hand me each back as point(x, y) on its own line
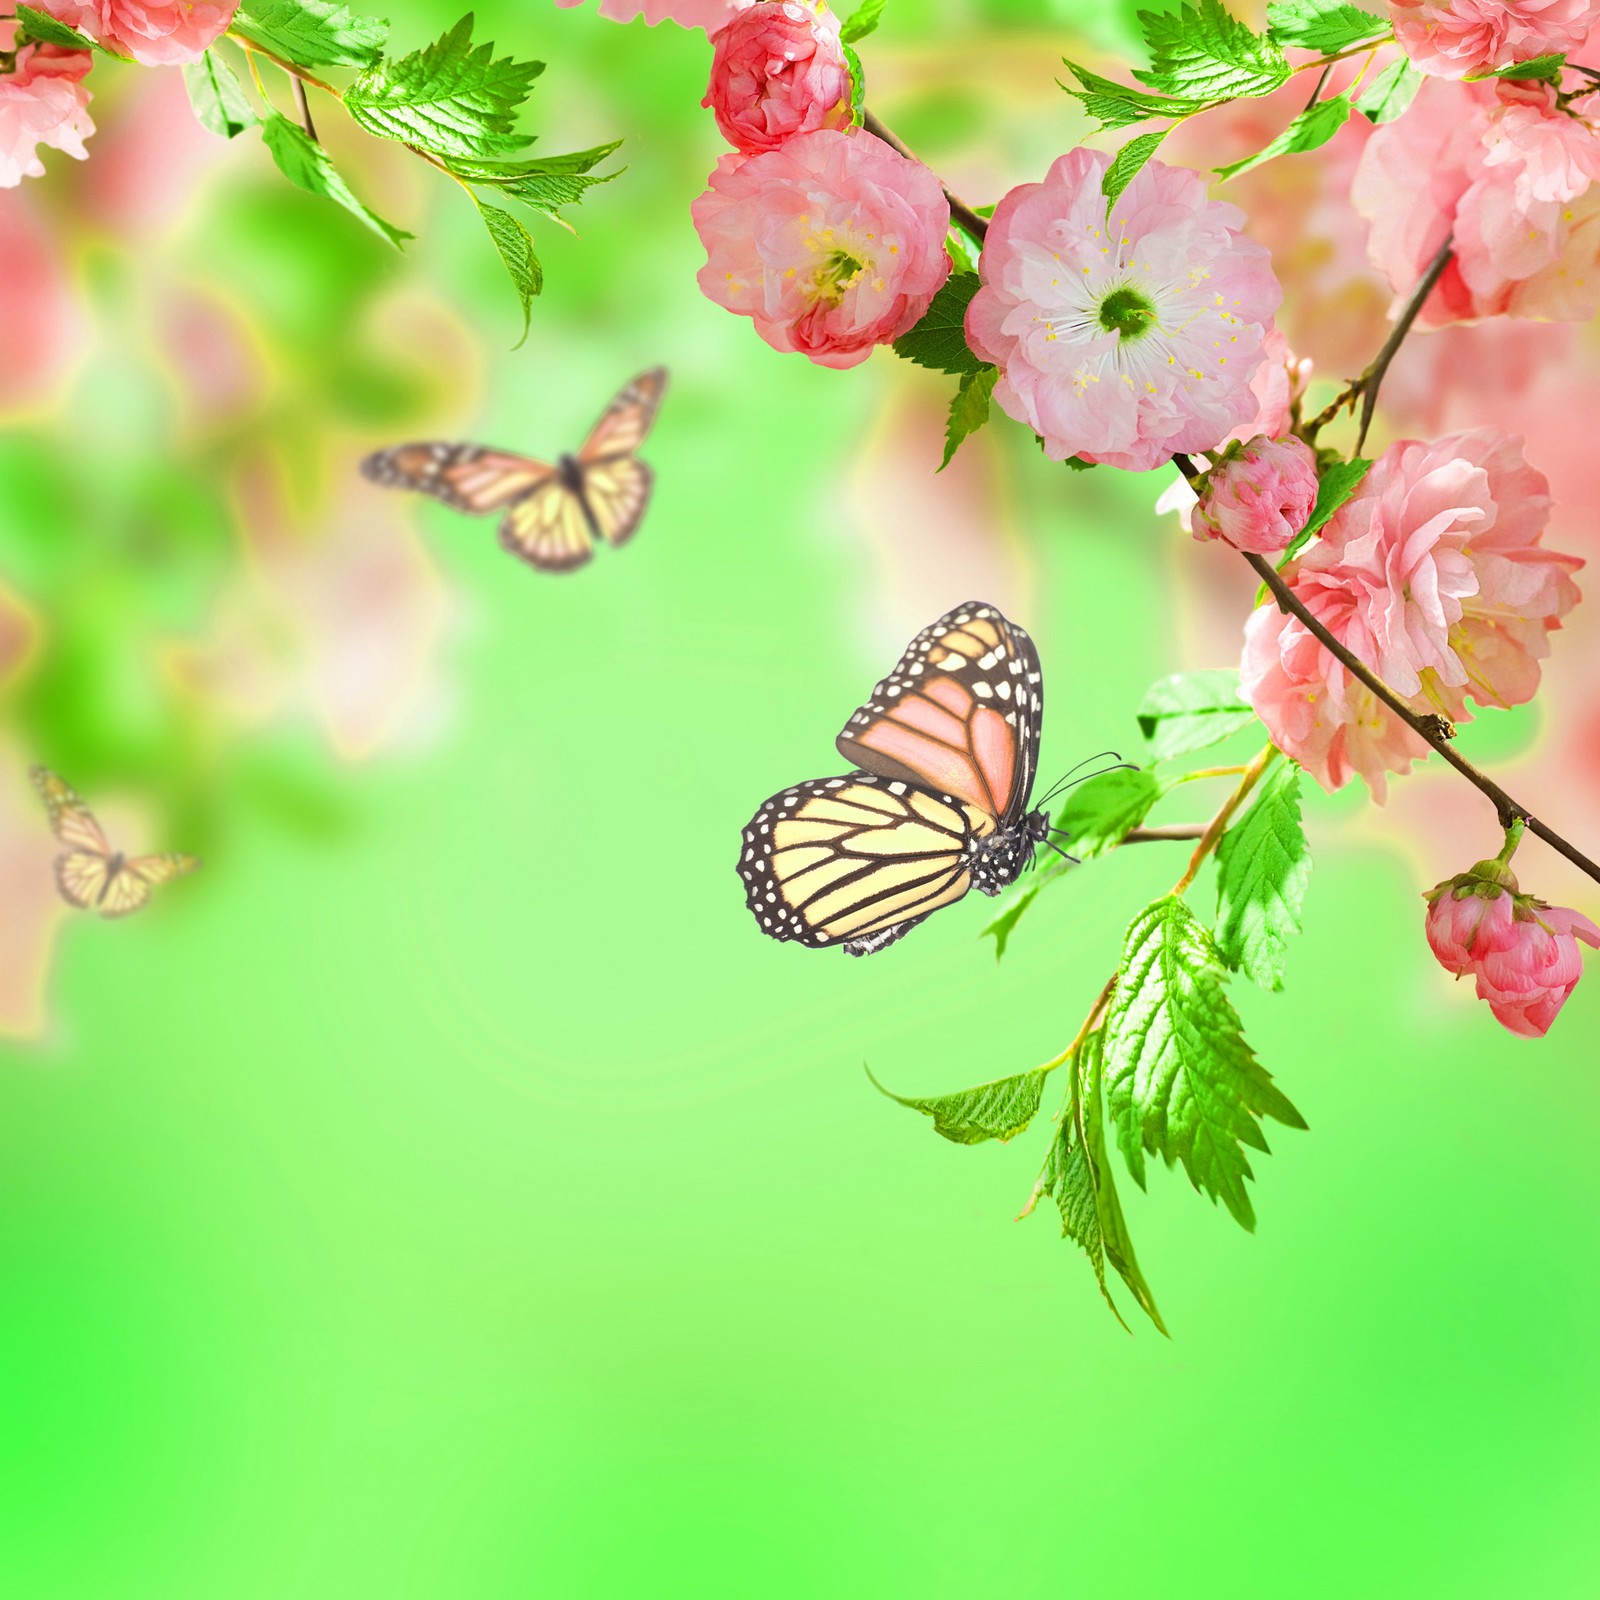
point(778, 69)
point(1433, 575)
point(1457, 38)
point(707, 14)
point(1522, 953)
point(1126, 339)
point(1258, 496)
point(42, 102)
point(832, 243)
point(155, 33)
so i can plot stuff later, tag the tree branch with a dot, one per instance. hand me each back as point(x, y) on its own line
point(960, 211)
point(1176, 830)
point(305, 110)
point(1370, 380)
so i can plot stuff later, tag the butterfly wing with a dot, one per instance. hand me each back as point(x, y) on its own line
point(626, 421)
point(81, 877)
point(464, 476)
point(549, 529)
point(960, 714)
point(70, 819)
point(617, 493)
point(130, 885)
point(855, 861)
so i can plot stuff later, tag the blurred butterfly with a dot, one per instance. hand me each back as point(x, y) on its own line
point(553, 514)
point(89, 873)
point(945, 750)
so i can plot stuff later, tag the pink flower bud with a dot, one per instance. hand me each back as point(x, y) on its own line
point(1522, 953)
point(778, 69)
point(1259, 496)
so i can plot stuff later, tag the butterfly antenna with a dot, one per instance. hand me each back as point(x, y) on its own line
point(1069, 780)
point(1050, 844)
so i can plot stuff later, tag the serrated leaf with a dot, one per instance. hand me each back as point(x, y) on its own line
point(939, 340)
point(1263, 867)
point(969, 409)
point(862, 20)
point(1204, 51)
point(1336, 486)
point(304, 162)
point(1181, 1082)
point(1312, 129)
point(998, 1110)
point(1193, 710)
point(1078, 1178)
point(1097, 815)
point(312, 33)
point(1128, 163)
point(1546, 67)
point(452, 98)
point(1117, 105)
point(217, 96)
point(578, 161)
point(40, 26)
point(515, 245)
point(1391, 91)
point(1325, 25)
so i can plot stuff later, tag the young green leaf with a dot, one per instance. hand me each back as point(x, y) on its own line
point(1011, 914)
point(1077, 1177)
point(998, 1110)
point(1312, 129)
point(1336, 485)
point(546, 192)
point(1204, 51)
point(515, 245)
point(1097, 815)
point(939, 340)
point(862, 20)
point(578, 161)
point(1326, 25)
point(312, 33)
point(858, 85)
point(1391, 91)
point(1127, 162)
point(217, 96)
point(1192, 710)
point(452, 98)
point(43, 28)
point(1117, 105)
point(1263, 867)
point(304, 162)
point(1180, 1080)
point(969, 409)
point(1546, 67)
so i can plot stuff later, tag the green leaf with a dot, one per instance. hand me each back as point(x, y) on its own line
point(452, 98)
point(998, 1110)
point(1116, 105)
point(579, 161)
point(858, 85)
point(541, 191)
point(1263, 867)
point(969, 409)
point(312, 33)
point(515, 245)
point(1127, 163)
point(1336, 486)
point(1326, 25)
point(862, 20)
point(45, 29)
point(1203, 50)
point(1312, 129)
point(1391, 91)
point(1077, 1177)
point(1546, 67)
point(1011, 913)
point(304, 162)
point(217, 96)
point(1098, 814)
point(1180, 1080)
point(1192, 710)
point(939, 340)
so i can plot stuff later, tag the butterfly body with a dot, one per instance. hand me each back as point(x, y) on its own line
point(946, 749)
point(553, 515)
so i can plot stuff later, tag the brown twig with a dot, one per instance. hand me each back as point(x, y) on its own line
point(960, 211)
point(1211, 835)
point(305, 110)
point(1373, 376)
point(1176, 830)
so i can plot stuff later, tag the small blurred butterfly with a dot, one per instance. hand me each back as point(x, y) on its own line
point(945, 752)
point(89, 873)
point(553, 514)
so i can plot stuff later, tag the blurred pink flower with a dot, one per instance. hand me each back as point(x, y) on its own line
point(832, 244)
point(1432, 574)
point(42, 102)
point(1125, 339)
point(155, 33)
point(44, 320)
point(707, 14)
point(1509, 175)
point(1258, 496)
point(1454, 38)
point(31, 908)
point(1522, 953)
point(778, 69)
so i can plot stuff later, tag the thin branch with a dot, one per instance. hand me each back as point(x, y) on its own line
point(1322, 83)
point(1175, 830)
point(960, 211)
point(1212, 835)
point(305, 110)
point(250, 47)
point(1373, 376)
point(1433, 731)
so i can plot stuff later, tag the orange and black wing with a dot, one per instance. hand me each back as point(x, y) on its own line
point(70, 819)
point(464, 476)
point(855, 861)
point(616, 493)
point(549, 529)
point(625, 422)
point(960, 714)
point(130, 884)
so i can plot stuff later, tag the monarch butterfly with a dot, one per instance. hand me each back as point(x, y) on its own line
point(553, 514)
point(945, 752)
point(89, 873)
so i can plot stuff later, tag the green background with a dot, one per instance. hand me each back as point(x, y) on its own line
point(447, 1193)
